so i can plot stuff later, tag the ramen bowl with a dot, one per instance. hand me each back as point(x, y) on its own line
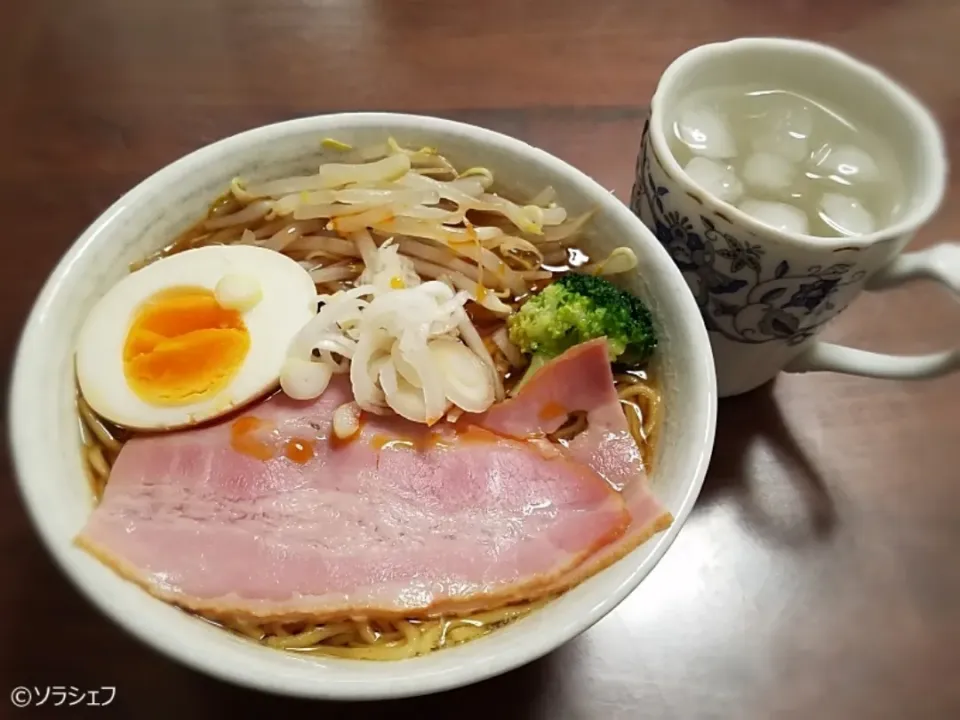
point(46, 442)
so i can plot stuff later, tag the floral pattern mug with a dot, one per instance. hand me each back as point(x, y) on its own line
point(764, 294)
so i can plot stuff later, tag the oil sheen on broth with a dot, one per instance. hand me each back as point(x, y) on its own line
point(787, 160)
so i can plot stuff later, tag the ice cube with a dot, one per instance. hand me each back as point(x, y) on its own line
point(846, 215)
point(766, 171)
point(785, 129)
point(846, 163)
point(704, 130)
point(716, 178)
point(778, 215)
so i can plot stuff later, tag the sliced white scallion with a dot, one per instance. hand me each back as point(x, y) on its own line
point(346, 420)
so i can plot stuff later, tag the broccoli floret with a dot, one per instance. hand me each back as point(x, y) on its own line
point(577, 308)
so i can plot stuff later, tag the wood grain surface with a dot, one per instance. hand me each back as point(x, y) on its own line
point(818, 576)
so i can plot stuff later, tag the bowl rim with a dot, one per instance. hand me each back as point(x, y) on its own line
point(457, 676)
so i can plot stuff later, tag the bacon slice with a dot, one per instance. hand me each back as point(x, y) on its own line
point(267, 516)
point(581, 380)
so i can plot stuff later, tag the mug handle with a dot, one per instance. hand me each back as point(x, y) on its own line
point(939, 262)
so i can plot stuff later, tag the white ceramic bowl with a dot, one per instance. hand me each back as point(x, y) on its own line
point(44, 426)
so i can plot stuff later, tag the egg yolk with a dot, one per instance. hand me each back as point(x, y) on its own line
point(183, 347)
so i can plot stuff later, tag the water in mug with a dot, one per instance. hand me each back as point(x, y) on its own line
point(787, 160)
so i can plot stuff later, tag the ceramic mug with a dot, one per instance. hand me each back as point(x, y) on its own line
point(765, 294)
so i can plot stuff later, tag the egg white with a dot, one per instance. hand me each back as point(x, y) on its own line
point(287, 304)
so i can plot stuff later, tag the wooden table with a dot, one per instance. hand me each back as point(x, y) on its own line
point(818, 576)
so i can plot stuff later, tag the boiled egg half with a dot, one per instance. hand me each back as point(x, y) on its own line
point(192, 336)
